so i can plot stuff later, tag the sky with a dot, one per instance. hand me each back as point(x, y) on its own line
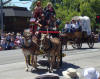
point(26, 4)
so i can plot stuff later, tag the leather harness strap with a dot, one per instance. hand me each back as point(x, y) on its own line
point(50, 45)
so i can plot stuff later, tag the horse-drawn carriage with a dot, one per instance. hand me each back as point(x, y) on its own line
point(80, 36)
point(51, 41)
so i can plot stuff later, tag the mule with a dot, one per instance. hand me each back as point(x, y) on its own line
point(52, 47)
point(30, 48)
point(74, 37)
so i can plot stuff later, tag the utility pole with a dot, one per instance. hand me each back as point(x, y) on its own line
point(1, 15)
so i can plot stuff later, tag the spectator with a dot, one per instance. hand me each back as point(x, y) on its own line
point(0, 48)
point(10, 41)
point(3, 43)
point(91, 73)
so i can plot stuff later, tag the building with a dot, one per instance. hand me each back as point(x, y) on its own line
point(16, 19)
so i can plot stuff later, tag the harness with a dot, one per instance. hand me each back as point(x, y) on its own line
point(50, 46)
point(27, 47)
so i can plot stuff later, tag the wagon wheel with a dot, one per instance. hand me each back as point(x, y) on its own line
point(74, 45)
point(91, 42)
point(77, 43)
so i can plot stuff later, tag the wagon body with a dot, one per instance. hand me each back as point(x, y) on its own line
point(87, 35)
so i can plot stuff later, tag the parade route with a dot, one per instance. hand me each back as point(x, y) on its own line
point(12, 65)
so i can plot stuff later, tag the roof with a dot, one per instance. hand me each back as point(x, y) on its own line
point(17, 11)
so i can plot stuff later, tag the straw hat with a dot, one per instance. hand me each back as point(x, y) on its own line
point(91, 73)
point(71, 73)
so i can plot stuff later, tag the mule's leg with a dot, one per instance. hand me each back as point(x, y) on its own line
point(32, 60)
point(66, 47)
point(49, 62)
point(35, 61)
point(52, 63)
point(58, 61)
point(26, 60)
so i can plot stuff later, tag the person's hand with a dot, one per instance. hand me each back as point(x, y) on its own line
point(40, 25)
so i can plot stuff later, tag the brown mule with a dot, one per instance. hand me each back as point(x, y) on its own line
point(76, 36)
point(30, 48)
point(51, 46)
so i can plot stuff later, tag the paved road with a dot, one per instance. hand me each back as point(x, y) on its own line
point(12, 64)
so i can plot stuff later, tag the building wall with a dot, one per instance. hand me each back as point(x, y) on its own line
point(15, 24)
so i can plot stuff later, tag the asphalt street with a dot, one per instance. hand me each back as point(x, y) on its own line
point(12, 64)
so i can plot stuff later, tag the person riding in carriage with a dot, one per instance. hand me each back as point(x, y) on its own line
point(38, 11)
point(67, 28)
point(50, 14)
point(74, 25)
point(34, 21)
point(34, 25)
point(43, 23)
point(49, 11)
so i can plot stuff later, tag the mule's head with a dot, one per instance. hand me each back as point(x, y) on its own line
point(44, 41)
point(27, 37)
point(27, 34)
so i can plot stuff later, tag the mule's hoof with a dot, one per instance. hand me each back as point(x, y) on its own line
point(38, 64)
point(26, 69)
point(44, 56)
point(31, 69)
point(50, 71)
point(36, 68)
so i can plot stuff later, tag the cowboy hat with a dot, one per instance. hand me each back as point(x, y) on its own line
point(71, 73)
point(91, 73)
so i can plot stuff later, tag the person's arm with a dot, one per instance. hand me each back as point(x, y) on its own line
point(65, 26)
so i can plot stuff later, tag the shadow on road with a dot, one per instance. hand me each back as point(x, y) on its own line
point(82, 49)
point(64, 67)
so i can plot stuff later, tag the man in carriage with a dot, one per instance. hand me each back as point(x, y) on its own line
point(67, 28)
point(75, 25)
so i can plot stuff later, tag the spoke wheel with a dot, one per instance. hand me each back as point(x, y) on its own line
point(77, 44)
point(91, 42)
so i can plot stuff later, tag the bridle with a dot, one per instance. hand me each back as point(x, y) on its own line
point(29, 39)
point(50, 45)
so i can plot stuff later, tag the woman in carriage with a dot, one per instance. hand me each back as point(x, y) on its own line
point(49, 11)
point(38, 11)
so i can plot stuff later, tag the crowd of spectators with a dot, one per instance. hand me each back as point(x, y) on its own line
point(10, 41)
